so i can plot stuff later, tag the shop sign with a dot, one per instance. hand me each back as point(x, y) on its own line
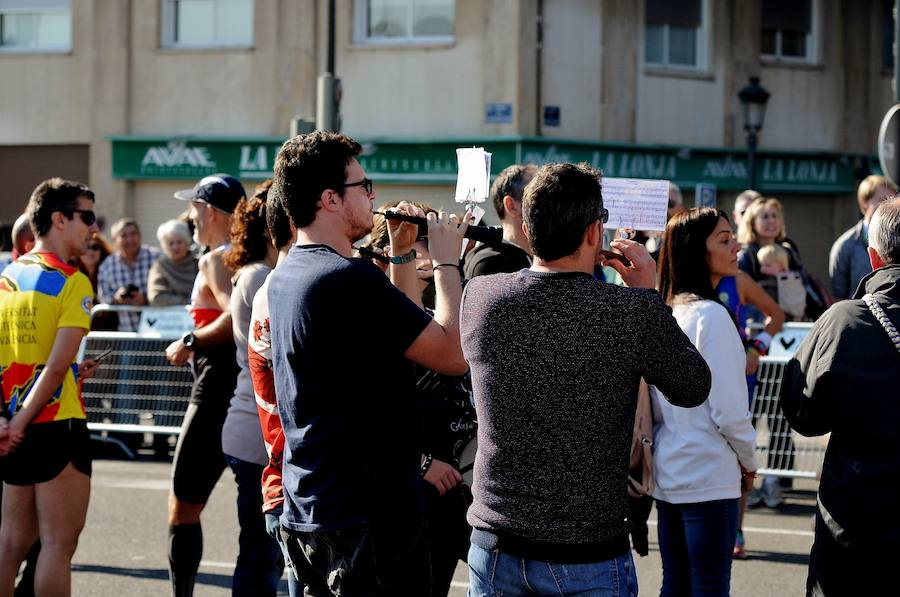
point(399, 161)
point(142, 158)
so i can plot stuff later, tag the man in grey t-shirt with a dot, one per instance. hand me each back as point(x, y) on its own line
point(556, 359)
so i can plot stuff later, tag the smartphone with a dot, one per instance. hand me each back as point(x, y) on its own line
point(102, 355)
point(617, 256)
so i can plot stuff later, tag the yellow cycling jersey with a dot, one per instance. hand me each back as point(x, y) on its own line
point(40, 293)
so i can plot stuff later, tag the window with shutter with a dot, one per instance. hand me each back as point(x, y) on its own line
point(403, 21)
point(675, 33)
point(35, 26)
point(788, 28)
point(207, 23)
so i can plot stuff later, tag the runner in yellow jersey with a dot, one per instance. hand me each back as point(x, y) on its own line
point(45, 307)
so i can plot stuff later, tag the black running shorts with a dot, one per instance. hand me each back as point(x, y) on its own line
point(46, 450)
point(199, 461)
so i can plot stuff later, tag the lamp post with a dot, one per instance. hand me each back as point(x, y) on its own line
point(753, 101)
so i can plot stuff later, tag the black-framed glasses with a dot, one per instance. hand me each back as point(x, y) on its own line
point(365, 183)
point(88, 217)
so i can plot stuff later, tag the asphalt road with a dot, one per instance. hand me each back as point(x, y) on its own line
point(123, 548)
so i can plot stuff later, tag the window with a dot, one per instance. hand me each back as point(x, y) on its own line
point(404, 21)
point(674, 34)
point(35, 26)
point(207, 23)
point(787, 30)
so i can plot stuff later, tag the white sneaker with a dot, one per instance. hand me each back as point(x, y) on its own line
point(772, 494)
point(754, 498)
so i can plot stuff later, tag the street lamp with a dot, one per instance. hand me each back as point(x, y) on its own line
point(753, 100)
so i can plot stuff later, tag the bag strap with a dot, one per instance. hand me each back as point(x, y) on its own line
point(642, 441)
point(882, 318)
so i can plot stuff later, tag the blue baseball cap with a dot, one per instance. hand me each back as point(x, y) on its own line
point(219, 190)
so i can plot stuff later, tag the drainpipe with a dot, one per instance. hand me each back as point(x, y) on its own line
point(895, 48)
point(538, 68)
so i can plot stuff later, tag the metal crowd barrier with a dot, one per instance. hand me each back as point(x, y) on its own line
point(780, 451)
point(135, 390)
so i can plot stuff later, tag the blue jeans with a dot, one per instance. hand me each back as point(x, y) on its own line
point(495, 573)
point(259, 563)
point(273, 527)
point(696, 542)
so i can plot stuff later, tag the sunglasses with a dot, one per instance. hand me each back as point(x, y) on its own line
point(365, 183)
point(95, 248)
point(88, 217)
point(603, 216)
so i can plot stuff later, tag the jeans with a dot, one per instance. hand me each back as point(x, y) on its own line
point(495, 573)
point(259, 563)
point(273, 527)
point(696, 542)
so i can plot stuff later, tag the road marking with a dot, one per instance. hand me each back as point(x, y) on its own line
point(134, 483)
point(230, 566)
point(771, 531)
point(211, 564)
point(150, 484)
point(766, 531)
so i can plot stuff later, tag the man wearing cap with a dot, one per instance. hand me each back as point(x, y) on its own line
point(199, 461)
point(122, 277)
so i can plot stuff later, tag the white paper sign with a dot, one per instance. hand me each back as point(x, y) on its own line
point(473, 180)
point(168, 322)
point(786, 342)
point(635, 203)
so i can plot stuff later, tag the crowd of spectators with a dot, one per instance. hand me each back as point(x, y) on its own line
point(528, 353)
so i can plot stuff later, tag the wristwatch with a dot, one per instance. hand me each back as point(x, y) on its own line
point(401, 259)
point(189, 340)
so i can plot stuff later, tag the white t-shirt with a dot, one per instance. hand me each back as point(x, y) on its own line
point(696, 451)
point(241, 433)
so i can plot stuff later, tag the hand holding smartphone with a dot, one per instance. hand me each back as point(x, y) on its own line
point(617, 256)
point(102, 355)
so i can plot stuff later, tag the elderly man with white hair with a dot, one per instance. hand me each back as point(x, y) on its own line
point(172, 275)
point(845, 380)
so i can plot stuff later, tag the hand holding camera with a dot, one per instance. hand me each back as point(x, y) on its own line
point(129, 294)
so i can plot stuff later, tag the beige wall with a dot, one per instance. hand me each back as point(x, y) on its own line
point(685, 107)
point(117, 80)
point(572, 72)
point(436, 90)
point(242, 91)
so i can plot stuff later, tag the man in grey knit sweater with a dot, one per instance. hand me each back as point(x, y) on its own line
point(556, 359)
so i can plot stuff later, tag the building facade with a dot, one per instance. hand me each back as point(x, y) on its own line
point(142, 97)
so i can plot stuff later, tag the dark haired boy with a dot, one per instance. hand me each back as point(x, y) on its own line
point(353, 520)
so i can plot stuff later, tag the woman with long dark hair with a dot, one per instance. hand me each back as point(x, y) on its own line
point(704, 456)
point(89, 265)
point(251, 257)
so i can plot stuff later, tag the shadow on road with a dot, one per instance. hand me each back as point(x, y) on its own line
point(801, 559)
point(216, 580)
point(788, 510)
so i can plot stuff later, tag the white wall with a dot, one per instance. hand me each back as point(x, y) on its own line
point(572, 67)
